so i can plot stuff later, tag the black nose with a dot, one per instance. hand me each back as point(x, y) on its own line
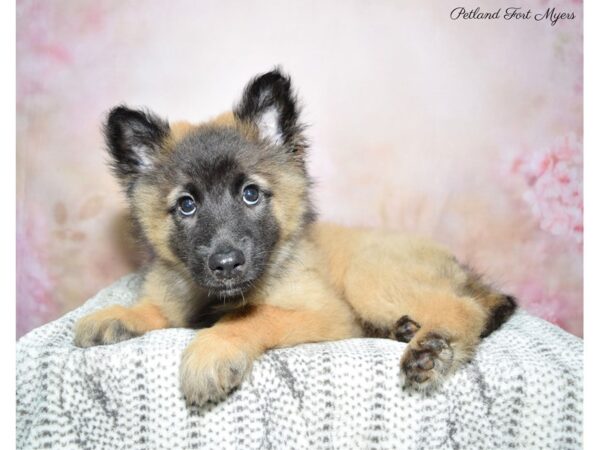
point(226, 263)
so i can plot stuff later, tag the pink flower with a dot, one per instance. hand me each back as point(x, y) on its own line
point(554, 190)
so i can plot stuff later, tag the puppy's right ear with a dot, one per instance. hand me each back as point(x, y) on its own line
point(134, 140)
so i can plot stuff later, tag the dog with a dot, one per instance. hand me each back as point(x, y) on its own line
point(225, 209)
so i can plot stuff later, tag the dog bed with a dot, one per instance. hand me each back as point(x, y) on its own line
point(523, 389)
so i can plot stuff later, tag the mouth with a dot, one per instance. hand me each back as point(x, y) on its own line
point(228, 289)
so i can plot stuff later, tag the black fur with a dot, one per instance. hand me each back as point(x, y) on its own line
point(372, 331)
point(273, 90)
point(134, 138)
point(213, 166)
point(477, 288)
point(499, 315)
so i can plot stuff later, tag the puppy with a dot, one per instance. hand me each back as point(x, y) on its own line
point(225, 209)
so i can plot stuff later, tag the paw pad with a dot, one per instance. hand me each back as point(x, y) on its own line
point(406, 328)
point(425, 363)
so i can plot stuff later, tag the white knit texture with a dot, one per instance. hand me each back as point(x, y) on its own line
point(524, 389)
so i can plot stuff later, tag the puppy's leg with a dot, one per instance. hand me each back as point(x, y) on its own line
point(415, 291)
point(498, 305)
point(166, 300)
point(220, 357)
point(118, 323)
point(412, 294)
point(445, 335)
point(442, 331)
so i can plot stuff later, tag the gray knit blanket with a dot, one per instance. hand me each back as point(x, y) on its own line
point(524, 389)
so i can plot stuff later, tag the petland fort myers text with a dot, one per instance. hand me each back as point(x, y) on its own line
point(551, 15)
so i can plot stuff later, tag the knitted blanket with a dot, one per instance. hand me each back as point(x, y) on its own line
point(524, 389)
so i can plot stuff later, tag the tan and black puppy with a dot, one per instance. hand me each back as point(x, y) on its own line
point(225, 208)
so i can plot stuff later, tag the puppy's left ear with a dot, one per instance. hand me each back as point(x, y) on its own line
point(270, 105)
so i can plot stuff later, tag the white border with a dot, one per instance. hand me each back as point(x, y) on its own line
point(592, 208)
point(591, 222)
point(7, 248)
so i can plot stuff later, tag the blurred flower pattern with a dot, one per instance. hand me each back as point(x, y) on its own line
point(554, 187)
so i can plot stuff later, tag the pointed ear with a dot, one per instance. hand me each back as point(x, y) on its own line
point(134, 140)
point(269, 104)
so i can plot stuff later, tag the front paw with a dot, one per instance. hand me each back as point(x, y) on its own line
point(211, 367)
point(426, 362)
point(107, 326)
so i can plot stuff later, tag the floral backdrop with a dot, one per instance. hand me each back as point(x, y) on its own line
point(468, 131)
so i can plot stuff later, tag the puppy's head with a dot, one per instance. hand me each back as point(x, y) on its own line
point(224, 199)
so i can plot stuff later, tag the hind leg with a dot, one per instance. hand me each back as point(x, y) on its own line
point(446, 337)
point(442, 331)
point(442, 327)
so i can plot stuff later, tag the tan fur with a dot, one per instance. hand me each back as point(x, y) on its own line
point(173, 287)
point(223, 120)
point(220, 356)
point(179, 130)
point(387, 269)
point(336, 280)
point(289, 203)
point(155, 220)
point(115, 323)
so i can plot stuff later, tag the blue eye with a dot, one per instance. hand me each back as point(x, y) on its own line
point(251, 194)
point(186, 205)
